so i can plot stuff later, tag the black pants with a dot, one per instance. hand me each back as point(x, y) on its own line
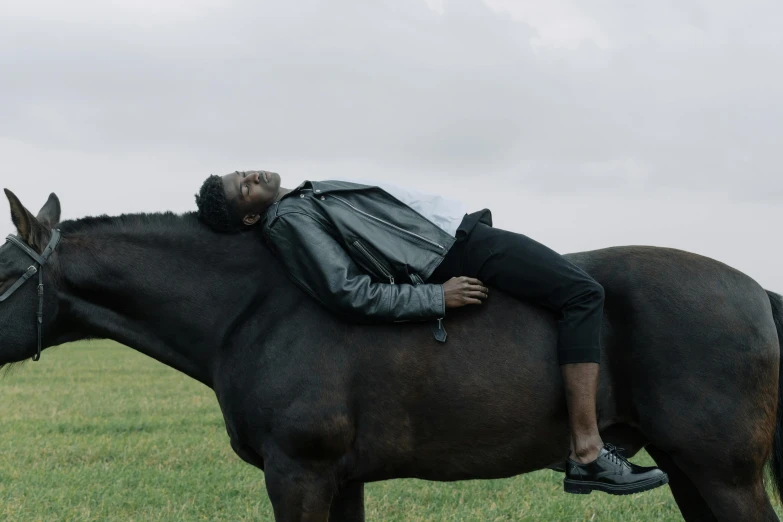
point(524, 268)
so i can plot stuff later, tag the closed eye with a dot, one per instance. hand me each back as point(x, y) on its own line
point(242, 175)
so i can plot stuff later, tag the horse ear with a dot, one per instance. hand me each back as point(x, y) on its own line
point(49, 215)
point(30, 230)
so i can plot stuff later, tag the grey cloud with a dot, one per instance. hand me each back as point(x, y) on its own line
point(684, 91)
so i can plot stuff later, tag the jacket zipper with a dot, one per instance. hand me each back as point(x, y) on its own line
point(389, 224)
point(374, 261)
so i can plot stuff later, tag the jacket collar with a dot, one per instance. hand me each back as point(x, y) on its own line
point(319, 187)
point(325, 187)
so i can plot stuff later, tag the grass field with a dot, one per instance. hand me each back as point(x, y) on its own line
point(96, 431)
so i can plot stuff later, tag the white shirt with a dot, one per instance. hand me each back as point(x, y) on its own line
point(446, 213)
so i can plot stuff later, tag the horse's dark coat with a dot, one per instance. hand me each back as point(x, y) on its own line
point(690, 365)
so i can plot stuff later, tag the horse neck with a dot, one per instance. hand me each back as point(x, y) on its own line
point(174, 299)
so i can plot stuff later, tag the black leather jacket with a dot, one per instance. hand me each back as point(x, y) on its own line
point(360, 251)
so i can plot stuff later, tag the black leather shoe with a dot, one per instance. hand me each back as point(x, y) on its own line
point(611, 473)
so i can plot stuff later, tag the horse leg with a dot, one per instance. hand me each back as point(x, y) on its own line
point(746, 502)
point(348, 504)
point(299, 492)
point(729, 475)
point(692, 505)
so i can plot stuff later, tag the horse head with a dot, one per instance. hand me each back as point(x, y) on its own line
point(19, 298)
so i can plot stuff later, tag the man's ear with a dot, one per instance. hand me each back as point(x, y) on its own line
point(251, 219)
point(49, 214)
point(28, 227)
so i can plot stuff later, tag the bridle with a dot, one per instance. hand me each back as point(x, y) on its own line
point(41, 260)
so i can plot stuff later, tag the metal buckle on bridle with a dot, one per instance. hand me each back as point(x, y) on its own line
point(41, 260)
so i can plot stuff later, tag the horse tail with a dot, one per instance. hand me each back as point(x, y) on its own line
point(777, 441)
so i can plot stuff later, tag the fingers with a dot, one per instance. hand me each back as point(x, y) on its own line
point(469, 280)
point(474, 296)
point(472, 281)
point(477, 289)
point(472, 291)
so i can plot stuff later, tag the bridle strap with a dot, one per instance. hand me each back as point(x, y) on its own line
point(27, 275)
point(40, 313)
point(41, 260)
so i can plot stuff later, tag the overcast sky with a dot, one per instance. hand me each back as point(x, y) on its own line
point(583, 124)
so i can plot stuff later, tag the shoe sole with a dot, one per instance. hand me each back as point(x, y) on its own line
point(582, 487)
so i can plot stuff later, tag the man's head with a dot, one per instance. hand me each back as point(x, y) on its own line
point(238, 200)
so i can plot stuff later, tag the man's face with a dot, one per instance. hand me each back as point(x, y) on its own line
point(251, 192)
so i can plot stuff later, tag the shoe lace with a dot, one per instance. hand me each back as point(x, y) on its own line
point(614, 456)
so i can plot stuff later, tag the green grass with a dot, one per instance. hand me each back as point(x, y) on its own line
point(96, 431)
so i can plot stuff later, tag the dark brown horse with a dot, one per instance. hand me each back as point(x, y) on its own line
point(690, 367)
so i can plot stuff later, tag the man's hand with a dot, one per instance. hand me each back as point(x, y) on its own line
point(461, 291)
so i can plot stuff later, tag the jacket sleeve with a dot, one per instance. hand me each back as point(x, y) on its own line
point(319, 264)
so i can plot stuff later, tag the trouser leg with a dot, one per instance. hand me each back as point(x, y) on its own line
point(533, 272)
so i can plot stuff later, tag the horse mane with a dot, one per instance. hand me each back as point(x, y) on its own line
point(185, 227)
point(157, 222)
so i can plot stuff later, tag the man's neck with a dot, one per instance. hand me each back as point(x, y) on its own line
point(281, 192)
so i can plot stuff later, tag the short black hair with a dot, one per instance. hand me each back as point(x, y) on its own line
point(215, 210)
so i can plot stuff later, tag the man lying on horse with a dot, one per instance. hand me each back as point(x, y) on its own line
point(375, 251)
